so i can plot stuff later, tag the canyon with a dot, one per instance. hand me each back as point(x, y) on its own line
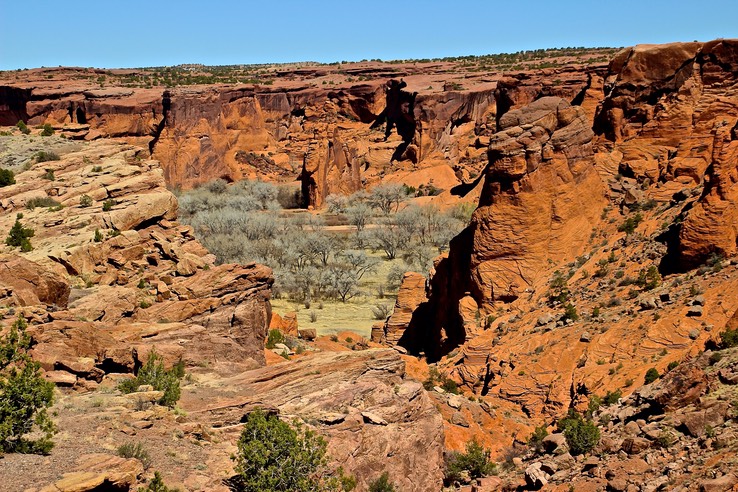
point(603, 244)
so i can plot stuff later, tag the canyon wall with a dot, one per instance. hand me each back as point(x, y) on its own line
point(327, 140)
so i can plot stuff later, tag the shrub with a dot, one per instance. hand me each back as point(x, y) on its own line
point(582, 435)
point(729, 338)
point(672, 365)
point(25, 395)
point(649, 279)
point(154, 374)
point(382, 484)
point(570, 312)
point(381, 311)
point(313, 316)
point(85, 201)
point(536, 439)
point(273, 456)
point(97, 169)
point(44, 156)
point(275, 336)
point(19, 236)
point(23, 127)
point(7, 177)
point(108, 205)
point(45, 202)
point(157, 485)
point(98, 236)
point(475, 460)
point(47, 130)
point(612, 397)
point(651, 375)
point(630, 224)
point(131, 450)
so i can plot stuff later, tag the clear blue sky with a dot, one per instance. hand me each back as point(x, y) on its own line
point(135, 33)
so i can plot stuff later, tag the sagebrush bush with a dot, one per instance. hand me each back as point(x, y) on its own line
point(41, 202)
point(135, 450)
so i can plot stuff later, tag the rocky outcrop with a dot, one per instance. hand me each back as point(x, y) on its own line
point(111, 275)
point(319, 136)
point(672, 111)
point(370, 413)
point(540, 200)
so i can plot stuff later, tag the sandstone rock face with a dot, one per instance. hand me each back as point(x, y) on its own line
point(410, 295)
point(672, 111)
point(540, 200)
point(104, 281)
point(370, 413)
point(299, 132)
point(534, 207)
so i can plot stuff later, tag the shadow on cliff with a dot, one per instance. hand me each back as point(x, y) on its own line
point(399, 112)
point(436, 327)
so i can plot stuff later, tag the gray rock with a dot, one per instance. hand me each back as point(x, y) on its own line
point(552, 442)
point(585, 337)
point(648, 303)
point(694, 311)
point(544, 319)
point(535, 477)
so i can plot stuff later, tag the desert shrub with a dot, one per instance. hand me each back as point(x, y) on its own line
point(44, 156)
point(154, 374)
point(475, 460)
point(435, 378)
point(381, 311)
point(559, 289)
point(25, 396)
point(23, 127)
point(649, 278)
point(729, 338)
point(217, 186)
point(273, 338)
point(672, 365)
point(135, 450)
point(98, 238)
point(582, 435)
point(19, 236)
point(7, 177)
point(47, 130)
point(44, 202)
point(630, 224)
point(570, 312)
point(387, 197)
point(382, 484)
point(289, 197)
point(651, 375)
point(108, 205)
point(97, 169)
point(313, 316)
point(536, 439)
point(85, 201)
point(157, 485)
point(274, 456)
point(612, 397)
